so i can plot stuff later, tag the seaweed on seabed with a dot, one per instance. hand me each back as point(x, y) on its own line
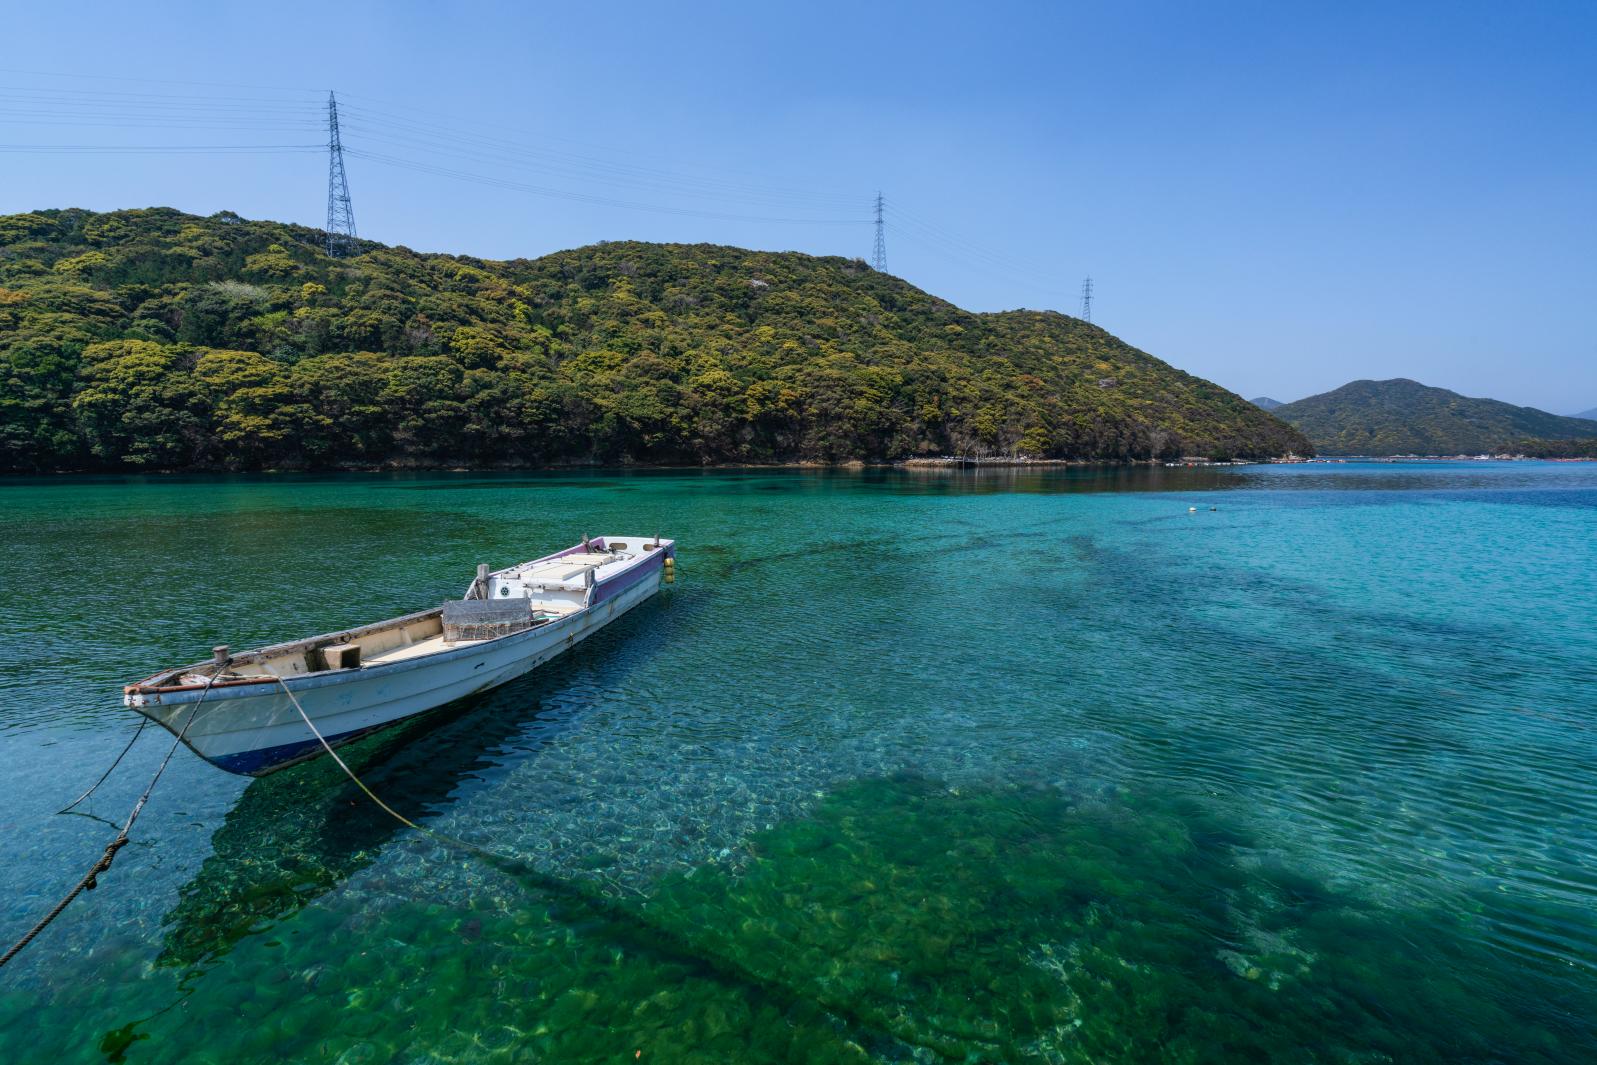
point(1016, 923)
point(910, 920)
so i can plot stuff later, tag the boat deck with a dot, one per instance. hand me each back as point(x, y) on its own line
point(567, 570)
point(555, 587)
point(429, 646)
point(434, 644)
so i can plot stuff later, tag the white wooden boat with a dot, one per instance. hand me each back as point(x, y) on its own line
point(234, 713)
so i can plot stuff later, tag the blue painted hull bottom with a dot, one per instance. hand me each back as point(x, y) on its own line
point(270, 759)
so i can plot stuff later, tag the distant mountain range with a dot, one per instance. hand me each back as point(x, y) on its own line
point(1266, 402)
point(1403, 417)
point(1589, 415)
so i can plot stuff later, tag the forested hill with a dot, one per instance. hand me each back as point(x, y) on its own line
point(1403, 417)
point(152, 339)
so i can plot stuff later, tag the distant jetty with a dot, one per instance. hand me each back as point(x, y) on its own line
point(961, 461)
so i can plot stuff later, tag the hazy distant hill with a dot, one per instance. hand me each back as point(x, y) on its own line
point(1403, 417)
point(154, 339)
point(1589, 415)
point(1266, 402)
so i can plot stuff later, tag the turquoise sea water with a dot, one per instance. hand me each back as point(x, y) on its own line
point(941, 766)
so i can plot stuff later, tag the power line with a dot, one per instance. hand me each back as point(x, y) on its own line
point(416, 135)
point(404, 137)
point(156, 81)
point(425, 147)
point(587, 175)
point(340, 212)
point(442, 146)
point(130, 95)
point(960, 249)
point(1086, 300)
point(879, 255)
point(176, 149)
point(578, 197)
point(123, 103)
point(449, 126)
point(1014, 277)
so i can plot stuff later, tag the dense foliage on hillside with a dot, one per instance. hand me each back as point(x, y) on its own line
point(1403, 417)
point(1553, 449)
point(158, 340)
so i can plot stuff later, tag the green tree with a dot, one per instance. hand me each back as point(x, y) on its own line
point(239, 344)
point(139, 406)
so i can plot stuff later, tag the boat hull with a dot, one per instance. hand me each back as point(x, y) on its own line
point(255, 729)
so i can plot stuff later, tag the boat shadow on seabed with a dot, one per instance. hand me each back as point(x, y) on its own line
point(294, 835)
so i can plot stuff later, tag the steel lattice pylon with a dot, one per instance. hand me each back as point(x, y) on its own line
point(340, 214)
point(879, 255)
point(1086, 300)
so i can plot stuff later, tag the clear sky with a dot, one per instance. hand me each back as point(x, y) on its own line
point(1279, 197)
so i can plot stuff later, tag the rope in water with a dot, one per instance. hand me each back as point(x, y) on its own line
point(654, 937)
point(657, 937)
point(662, 937)
point(136, 734)
point(91, 879)
point(372, 795)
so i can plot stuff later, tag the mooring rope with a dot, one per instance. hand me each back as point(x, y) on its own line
point(91, 879)
point(136, 734)
point(657, 938)
point(372, 795)
point(651, 936)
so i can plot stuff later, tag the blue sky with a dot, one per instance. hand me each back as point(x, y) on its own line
point(1278, 197)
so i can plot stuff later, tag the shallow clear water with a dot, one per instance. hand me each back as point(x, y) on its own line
point(941, 766)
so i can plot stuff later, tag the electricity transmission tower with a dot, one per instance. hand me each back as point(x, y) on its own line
point(879, 255)
point(1086, 300)
point(340, 214)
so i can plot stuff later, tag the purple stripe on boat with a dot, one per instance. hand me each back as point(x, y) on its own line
point(576, 549)
point(650, 567)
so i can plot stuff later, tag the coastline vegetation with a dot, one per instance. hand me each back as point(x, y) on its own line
point(155, 340)
point(1553, 449)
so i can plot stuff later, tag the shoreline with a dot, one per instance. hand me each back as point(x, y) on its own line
point(941, 462)
point(938, 463)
